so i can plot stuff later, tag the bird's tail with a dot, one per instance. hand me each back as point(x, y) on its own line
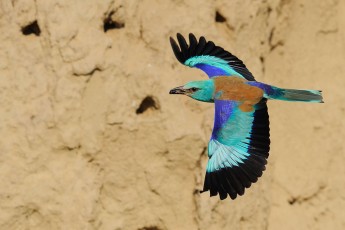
point(272, 92)
point(296, 95)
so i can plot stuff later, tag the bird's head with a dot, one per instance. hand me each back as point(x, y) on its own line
point(198, 90)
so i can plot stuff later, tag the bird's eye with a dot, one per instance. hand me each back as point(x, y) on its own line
point(194, 89)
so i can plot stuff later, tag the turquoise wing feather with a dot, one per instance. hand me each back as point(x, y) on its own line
point(212, 59)
point(238, 148)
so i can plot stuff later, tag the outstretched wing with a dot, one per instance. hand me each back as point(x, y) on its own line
point(238, 148)
point(212, 59)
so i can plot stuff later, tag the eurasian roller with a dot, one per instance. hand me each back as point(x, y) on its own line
point(240, 141)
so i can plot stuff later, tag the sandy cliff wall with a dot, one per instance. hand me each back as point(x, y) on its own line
point(90, 138)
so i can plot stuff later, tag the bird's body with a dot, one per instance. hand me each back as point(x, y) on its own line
point(239, 145)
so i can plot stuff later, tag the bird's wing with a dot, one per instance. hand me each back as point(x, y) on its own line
point(238, 148)
point(212, 59)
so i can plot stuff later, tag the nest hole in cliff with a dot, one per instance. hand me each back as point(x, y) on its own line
point(109, 23)
point(219, 17)
point(32, 28)
point(150, 228)
point(148, 103)
point(292, 200)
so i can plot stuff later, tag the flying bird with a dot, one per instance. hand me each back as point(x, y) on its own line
point(240, 141)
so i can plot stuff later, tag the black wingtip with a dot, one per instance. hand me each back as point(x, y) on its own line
point(201, 45)
point(184, 46)
point(232, 182)
point(183, 51)
point(176, 49)
point(191, 35)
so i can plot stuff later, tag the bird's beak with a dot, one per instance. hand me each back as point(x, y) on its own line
point(178, 90)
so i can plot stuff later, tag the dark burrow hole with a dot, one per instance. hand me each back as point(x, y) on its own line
point(292, 201)
point(32, 28)
point(149, 228)
point(149, 102)
point(110, 24)
point(220, 18)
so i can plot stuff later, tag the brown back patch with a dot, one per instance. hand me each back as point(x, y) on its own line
point(236, 89)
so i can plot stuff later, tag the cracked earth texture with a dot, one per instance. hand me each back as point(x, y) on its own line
point(91, 139)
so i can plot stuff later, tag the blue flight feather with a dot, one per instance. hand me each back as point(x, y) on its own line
point(212, 66)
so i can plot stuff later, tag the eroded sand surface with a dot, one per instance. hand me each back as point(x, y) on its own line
point(91, 139)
